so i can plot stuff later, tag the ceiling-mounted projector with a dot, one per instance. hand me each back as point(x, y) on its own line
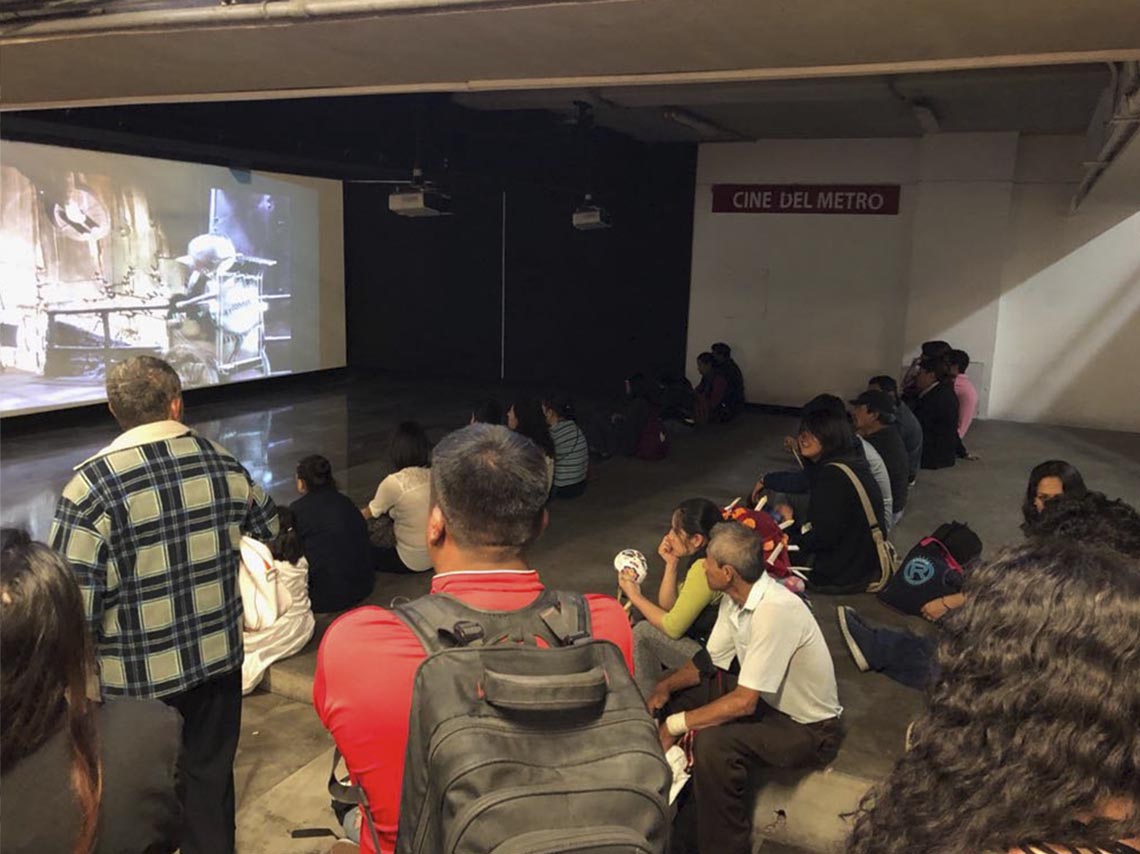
point(419, 201)
point(588, 217)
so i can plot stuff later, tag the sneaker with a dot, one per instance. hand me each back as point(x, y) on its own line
point(854, 630)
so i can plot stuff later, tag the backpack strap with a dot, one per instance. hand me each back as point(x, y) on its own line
point(442, 622)
point(350, 793)
point(569, 619)
point(438, 620)
point(947, 555)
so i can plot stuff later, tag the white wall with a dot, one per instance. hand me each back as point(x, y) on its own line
point(1068, 336)
point(958, 245)
point(983, 254)
point(792, 293)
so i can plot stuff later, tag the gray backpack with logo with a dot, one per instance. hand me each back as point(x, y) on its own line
point(518, 749)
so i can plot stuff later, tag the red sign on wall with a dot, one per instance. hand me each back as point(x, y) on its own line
point(851, 199)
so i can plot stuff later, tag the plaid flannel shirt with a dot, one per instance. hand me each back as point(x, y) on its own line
point(152, 526)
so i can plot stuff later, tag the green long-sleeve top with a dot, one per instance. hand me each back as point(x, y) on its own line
point(693, 596)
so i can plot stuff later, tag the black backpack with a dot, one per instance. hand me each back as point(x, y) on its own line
point(935, 567)
point(517, 749)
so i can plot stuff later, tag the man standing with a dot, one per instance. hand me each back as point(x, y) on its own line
point(782, 710)
point(874, 415)
point(488, 506)
point(151, 525)
point(967, 399)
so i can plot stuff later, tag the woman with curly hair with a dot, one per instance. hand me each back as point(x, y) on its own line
point(1030, 742)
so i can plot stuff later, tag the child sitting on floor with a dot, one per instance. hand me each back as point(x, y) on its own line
point(282, 562)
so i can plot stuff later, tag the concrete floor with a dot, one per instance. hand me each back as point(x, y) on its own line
point(283, 758)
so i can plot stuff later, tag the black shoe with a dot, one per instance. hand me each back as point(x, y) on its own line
point(856, 634)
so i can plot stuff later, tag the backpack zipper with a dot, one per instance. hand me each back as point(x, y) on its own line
point(464, 724)
point(472, 811)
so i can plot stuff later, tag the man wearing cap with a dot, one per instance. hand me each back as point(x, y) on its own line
point(873, 413)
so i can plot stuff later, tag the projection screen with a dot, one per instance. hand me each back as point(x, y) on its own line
point(229, 275)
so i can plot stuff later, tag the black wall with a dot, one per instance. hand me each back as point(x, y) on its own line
point(582, 308)
point(422, 296)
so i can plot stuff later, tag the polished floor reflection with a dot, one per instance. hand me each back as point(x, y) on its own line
point(347, 420)
point(627, 504)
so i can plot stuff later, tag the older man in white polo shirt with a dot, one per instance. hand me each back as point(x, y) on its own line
point(781, 710)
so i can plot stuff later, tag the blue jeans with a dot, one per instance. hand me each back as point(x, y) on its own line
point(905, 657)
point(351, 825)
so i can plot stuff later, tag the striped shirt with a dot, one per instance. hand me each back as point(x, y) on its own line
point(152, 526)
point(571, 453)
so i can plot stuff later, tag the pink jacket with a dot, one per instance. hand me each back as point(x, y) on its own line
point(967, 403)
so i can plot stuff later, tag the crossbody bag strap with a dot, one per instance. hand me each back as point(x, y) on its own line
point(868, 510)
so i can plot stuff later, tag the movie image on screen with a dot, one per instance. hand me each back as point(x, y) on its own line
point(106, 256)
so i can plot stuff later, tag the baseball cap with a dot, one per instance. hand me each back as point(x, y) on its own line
point(878, 402)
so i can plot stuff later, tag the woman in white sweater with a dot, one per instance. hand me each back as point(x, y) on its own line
point(402, 503)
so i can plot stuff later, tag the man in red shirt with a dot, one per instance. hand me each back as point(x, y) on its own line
point(488, 506)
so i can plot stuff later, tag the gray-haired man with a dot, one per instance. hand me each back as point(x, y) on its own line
point(151, 525)
point(783, 708)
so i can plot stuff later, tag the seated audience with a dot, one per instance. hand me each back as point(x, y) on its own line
point(835, 535)
point(929, 350)
point(678, 400)
point(799, 482)
point(490, 411)
point(489, 498)
point(400, 505)
point(291, 630)
point(711, 395)
point(571, 450)
point(936, 408)
point(75, 775)
point(734, 395)
point(782, 710)
point(967, 399)
point(631, 426)
point(1029, 742)
point(334, 537)
point(525, 417)
point(874, 416)
point(1047, 480)
point(905, 657)
point(680, 621)
point(905, 422)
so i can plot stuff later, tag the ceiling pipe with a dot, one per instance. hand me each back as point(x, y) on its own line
point(701, 125)
point(1125, 123)
point(246, 14)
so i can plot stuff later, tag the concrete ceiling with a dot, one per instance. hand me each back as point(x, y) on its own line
point(291, 48)
point(1058, 99)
